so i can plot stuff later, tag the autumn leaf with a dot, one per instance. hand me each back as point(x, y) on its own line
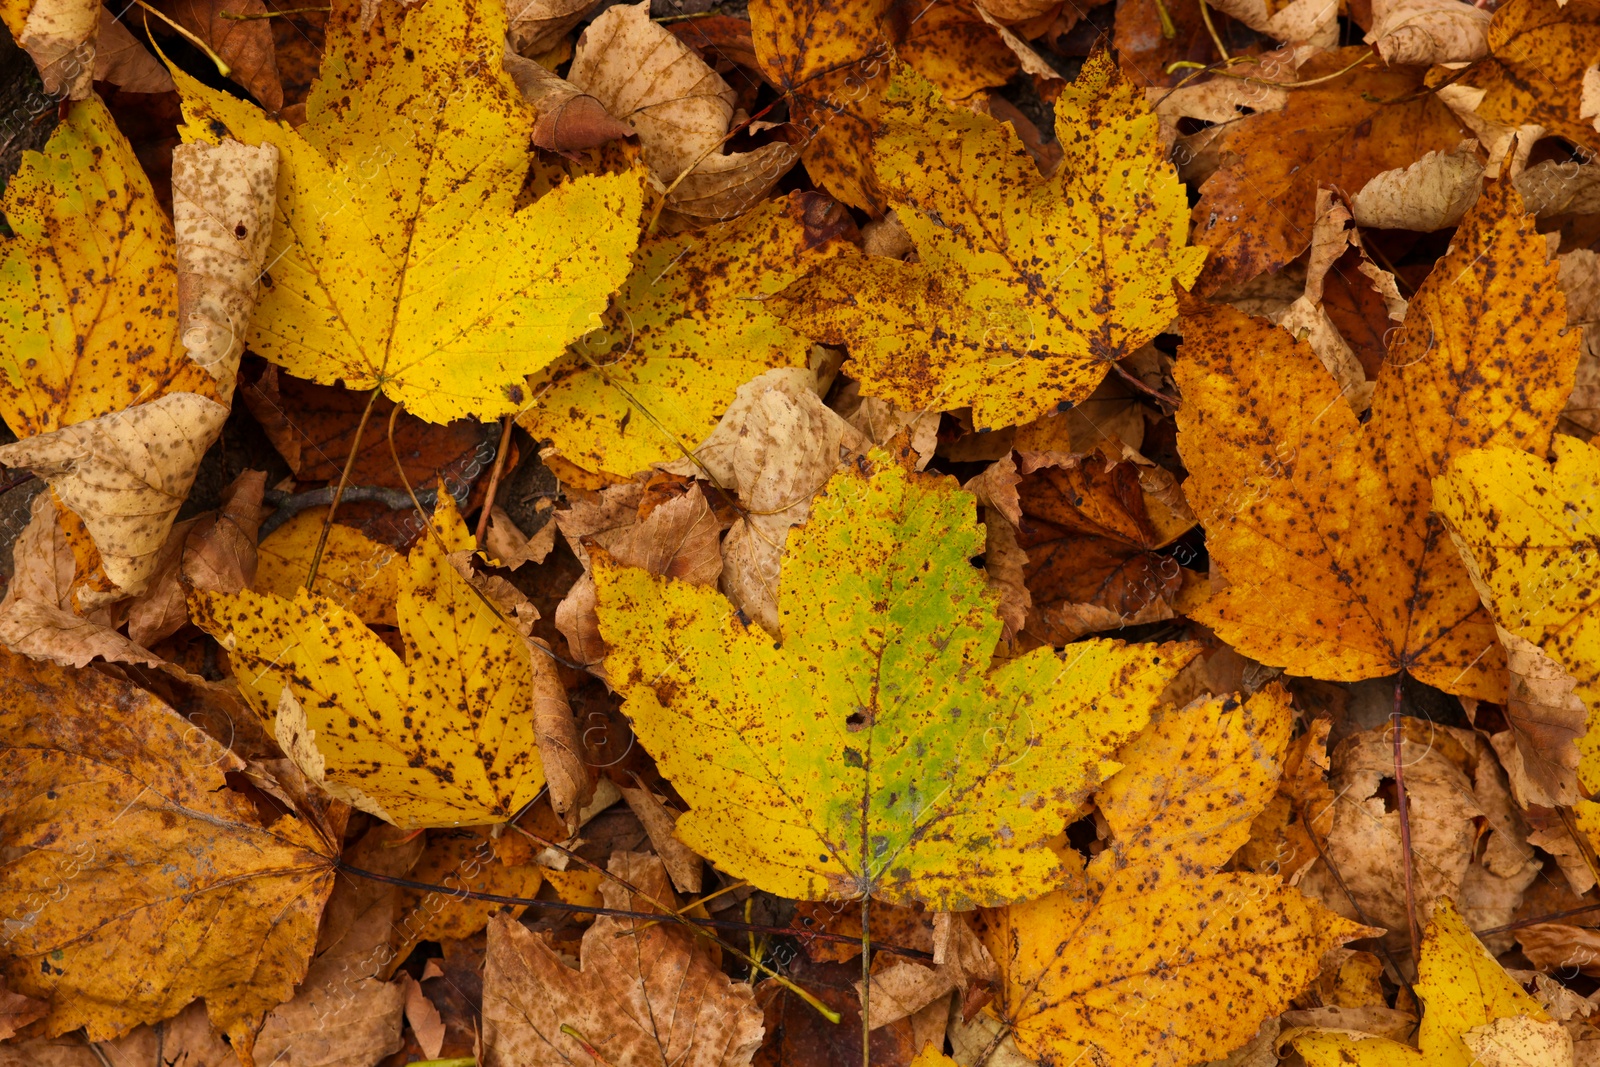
point(1027, 289)
point(1256, 213)
point(443, 736)
point(88, 283)
point(645, 992)
point(1129, 962)
point(688, 327)
point(1320, 523)
point(1528, 533)
point(399, 259)
point(923, 777)
point(1463, 992)
point(358, 573)
point(129, 852)
point(1539, 53)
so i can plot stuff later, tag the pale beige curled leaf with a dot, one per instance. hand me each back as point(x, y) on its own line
point(1431, 194)
point(1032, 62)
point(555, 731)
point(1547, 719)
point(679, 539)
point(505, 545)
point(121, 59)
point(1557, 187)
point(726, 186)
point(996, 487)
point(1309, 22)
point(126, 474)
point(536, 26)
point(423, 1018)
point(1520, 1041)
point(222, 206)
point(566, 119)
point(645, 994)
point(657, 84)
point(36, 616)
point(681, 862)
point(60, 37)
point(879, 421)
point(1425, 32)
point(1216, 101)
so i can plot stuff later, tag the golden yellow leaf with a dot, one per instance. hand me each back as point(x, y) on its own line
point(127, 853)
point(1461, 987)
point(1529, 533)
point(88, 283)
point(689, 327)
point(1320, 523)
point(1534, 73)
point(398, 259)
point(359, 574)
point(443, 737)
point(1027, 288)
point(870, 750)
point(1149, 957)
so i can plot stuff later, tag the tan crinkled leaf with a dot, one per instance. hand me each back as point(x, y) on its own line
point(37, 618)
point(443, 736)
point(147, 855)
point(222, 206)
point(126, 474)
point(645, 994)
point(60, 36)
point(687, 329)
point(399, 259)
point(1321, 522)
point(1027, 288)
point(1424, 32)
point(1430, 194)
point(1128, 962)
point(537, 26)
point(923, 776)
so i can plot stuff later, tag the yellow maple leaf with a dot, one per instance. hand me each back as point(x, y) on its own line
point(871, 750)
point(127, 853)
point(1150, 957)
point(1529, 533)
point(360, 574)
point(1462, 989)
point(1028, 289)
point(1319, 522)
point(443, 737)
point(88, 283)
point(398, 258)
point(688, 328)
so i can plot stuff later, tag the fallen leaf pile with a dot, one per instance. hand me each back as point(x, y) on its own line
point(800, 533)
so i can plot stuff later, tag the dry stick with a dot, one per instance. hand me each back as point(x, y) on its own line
point(1401, 807)
point(1134, 380)
point(866, 980)
point(238, 17)
point(344, 479)
point(494, 479)
point(1537, 919)
point(693, 925)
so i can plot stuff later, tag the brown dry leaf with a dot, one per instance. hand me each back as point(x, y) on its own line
point(463, 858)
point(776, 446)
point(148, 854)
point(645, 994)
point(566, 119)
point(961, 962)
point(537, 26)
point(1547, 719)
point(124, 61)
point(507, 546)
point(1256, 213)
point(1558, 947)
point(645, 76)
point(1431, 194)
point(1306, 22)
point(60, 36)
point(1332, 236)
point(658, 820)
point(126, 474)
point(222, 205)
point(336, 1019)
point(37, 617)
point(679, 539)
point(215, 552)
point(312, 426)
point(1320, 522)
point(797, 1034)
point(1288, 836)
point(1454, 798)
point(187, 1040)
point(246, 45)
point(17, 1011)
point(1424, 32)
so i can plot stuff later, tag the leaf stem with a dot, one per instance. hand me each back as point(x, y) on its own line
point(1216, 38)
point(344, 480)
point(222, 65)
point(866, 980)
point(1402, 808)
point(494, 479)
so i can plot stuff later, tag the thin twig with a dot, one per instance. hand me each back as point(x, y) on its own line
point(866, 979)
point(1134, 380)
point(1537, 919)
point(289, 505)
point(494, 480)
point(1396, 727)
point(1216, 38)
point(344, 480)
point(222, 66)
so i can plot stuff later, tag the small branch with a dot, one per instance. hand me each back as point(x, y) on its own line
point(1396, 727)
point(494, 480)
point(344, 480)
